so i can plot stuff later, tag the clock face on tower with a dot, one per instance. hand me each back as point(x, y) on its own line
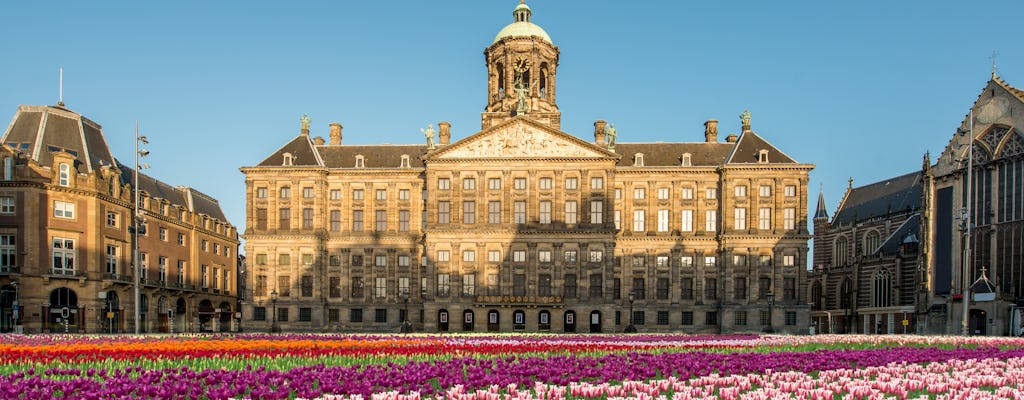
point(521, 64)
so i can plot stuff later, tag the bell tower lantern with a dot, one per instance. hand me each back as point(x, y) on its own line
point(521, 67)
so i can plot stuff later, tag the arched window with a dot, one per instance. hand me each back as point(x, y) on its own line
point(871, 242)
point(501, 81)
point(846, 294)
point(65, 175)
point(817, 296)
point(840, 254)
point(881, 289)
point(543, 79)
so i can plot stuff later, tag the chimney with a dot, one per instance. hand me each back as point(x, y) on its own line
point(731, 138)
point(319, 140)
point(335, 134)
point(444, 137)
point(599, 132)
point(711, 131)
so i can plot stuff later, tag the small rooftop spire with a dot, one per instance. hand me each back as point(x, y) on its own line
point(821, 212)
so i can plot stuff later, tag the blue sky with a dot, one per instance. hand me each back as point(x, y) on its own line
point(861, 89)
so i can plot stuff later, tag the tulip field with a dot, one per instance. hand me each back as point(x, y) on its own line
point(510, 367)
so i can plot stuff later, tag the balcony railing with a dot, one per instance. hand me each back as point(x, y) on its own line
point(10, 269)
point(63, 272)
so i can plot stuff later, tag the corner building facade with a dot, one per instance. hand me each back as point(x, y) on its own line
point(524, 227)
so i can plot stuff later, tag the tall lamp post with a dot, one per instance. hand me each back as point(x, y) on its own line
point(630, 328)
point(406, 326)
point(771, 303)
point(966, 221)
point(273, 305)
point(17, 311)
point(137, 225)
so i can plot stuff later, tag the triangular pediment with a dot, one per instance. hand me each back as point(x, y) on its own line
point(521, 137)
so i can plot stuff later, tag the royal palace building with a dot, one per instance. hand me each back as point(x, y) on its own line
point(524, 227)
point(67, 232)
point(936, 251)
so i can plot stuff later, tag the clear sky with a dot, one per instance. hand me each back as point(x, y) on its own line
point(862, 89)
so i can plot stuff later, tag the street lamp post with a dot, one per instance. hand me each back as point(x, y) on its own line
point(771, 303)
point(630, 328)
point(273, 305)
point(17, 310)
point(136, 223)
point(965, 221)
point(406, 326)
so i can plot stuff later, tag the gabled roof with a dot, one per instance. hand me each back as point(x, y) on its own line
point(40, 131)
point(670, 154)
point(748, 147)
point(1018, 93)
point(302, 151)
point(907, 231)
point(899, 194)
point(181, 196)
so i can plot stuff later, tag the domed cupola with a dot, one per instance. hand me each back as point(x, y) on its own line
point(521, 66)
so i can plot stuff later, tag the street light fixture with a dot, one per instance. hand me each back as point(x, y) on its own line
point(631, 328)
point(771, 302)
point(17, 311)
point(137, 221)
point(965, 220)
point(273, 304)
point(406, 326)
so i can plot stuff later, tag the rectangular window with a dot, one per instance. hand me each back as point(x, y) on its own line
point(403, 286)
point(381, 194)
point(596, 286)
point(285, 222)
point(355, 315)
point(663, 193)
point(618, 193)
point(380, 288)
point(571, 183)
point(789, 289)
point(597, 182)
point(519, 183)
point(710, 289)
point(7, 207)
point(307, 192)
point(639, 193)
point(639, 318)
point(765, 191)
point(686, 288)
point(661, 289)
point(181, 275)
point(686, 261)
point(206, 245)
point(381, 221)
point(570, 287)
point(545, 212)
point(380, 260)
point(711, 193)
point(596, 256)
point(661, 262)
point(740, 218)
point(469, 183)
point(162, 270)
point(468, 285)
point(444, 184)
point(443, 256)
point(286, 192)
point(335, 220)
point(63, 209)
point(711, 318)
point(6, 252)
point(468, 255)
point(403, 220)
point(357, 220)
point(307, 218)
point(764, 286)
point(686, 193)
point(544, 285)
point(63, 256)
point(686, 220)
point(494, 255)
point(790, 318)
point(739, 260)
point(380, 315)
point(444, 285)
point(741, 191)
point(616, 288)
point(494, 212)
point(545, 183)
point(687, 318)
point(403, 194)
point(334, 287)
point(789, 218)
point(335, 194)
point(662, 220)
point(662, 317)
point(639, 261)
point(404, 260)
point(519, 256)
point(444, 212)
point(519, 212)
point(710, 221)
point(357, 287)
point(261, 192)
point(596, 211)
point(739, 288)
point(764, 218)
point(284, 285)
point(639, 289)
point(519, 285)
point(710, 261)
point(494, 183)
point(469, 212)
point(307, 286)
point(305, 314)
point(492, 285)
point(357, 194)
point(282, 314)
point(570, 212)
point(570, 257)
point(259, 314)
point(181, 239)
point(764, 317)
point(333, 315)
point(789, 191)
point(740, 318)
point(163, 234)
point(544, 256)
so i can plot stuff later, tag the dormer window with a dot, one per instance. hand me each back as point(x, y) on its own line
point(405, 161)
point(762, 156)
point(687, 160)
point(638, 160)
point(360, 161)
point(288, 159)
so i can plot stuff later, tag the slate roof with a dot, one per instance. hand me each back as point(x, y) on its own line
point(899, 194)
point(821, 211)
point(660, 154)
point(748, 147)
point(301, 149)
point(374, 156)
point(909, 228)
